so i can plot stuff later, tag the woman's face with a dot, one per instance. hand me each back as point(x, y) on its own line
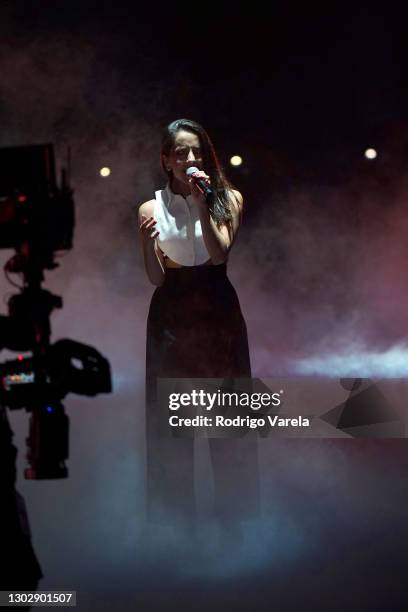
point(185, 153)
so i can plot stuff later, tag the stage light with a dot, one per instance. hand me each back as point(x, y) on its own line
point(104, 171)
point(370, 153)
point(236, 160)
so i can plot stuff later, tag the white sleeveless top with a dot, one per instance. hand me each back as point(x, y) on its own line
point(178, 221)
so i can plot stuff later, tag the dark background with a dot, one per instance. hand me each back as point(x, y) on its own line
point(299, 90)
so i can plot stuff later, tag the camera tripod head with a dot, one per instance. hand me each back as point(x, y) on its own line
point(37, 220)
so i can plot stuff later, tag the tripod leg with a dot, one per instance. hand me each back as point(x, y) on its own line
point(19, 567)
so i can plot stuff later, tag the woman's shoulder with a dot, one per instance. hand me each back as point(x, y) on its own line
point(237, 197)
point(146, 208)
point(236, 200)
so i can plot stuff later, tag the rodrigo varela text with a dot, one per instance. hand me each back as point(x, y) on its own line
point(238, 421)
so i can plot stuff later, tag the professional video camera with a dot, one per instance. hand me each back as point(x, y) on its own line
point(37, 220)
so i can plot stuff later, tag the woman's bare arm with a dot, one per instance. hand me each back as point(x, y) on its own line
point(151, 255)
point(219, 240)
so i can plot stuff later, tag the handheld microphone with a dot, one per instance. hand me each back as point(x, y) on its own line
point(205, 188)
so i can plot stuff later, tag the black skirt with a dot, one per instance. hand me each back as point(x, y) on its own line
point(195, 329)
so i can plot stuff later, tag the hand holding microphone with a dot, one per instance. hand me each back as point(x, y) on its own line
point(200, 180)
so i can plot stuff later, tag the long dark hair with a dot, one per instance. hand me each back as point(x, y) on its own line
point(219, 205)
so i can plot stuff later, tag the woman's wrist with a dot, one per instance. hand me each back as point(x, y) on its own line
point(203, 209)
point(148, 242)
